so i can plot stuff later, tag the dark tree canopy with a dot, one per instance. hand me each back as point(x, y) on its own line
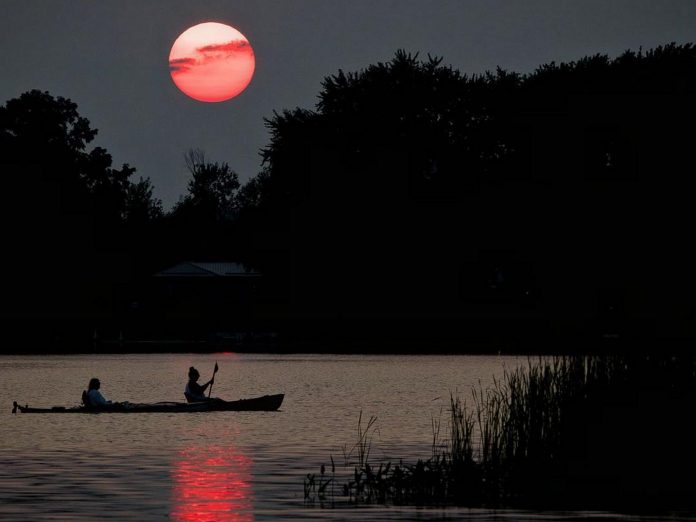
point(64, 211)
point(404, 125)
point(438, 130)
point(37, 119)
point(46, 139)
point(561, 194)
point(141, 205)
point(211, 190)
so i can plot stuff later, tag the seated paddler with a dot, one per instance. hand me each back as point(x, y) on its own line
point(93, 397)
point(195, 392)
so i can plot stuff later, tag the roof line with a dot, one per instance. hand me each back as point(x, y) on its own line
point(194, 263)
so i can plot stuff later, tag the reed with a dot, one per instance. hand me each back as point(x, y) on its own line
point(559, 431)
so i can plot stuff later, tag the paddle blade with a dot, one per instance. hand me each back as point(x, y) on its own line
point(216, 368)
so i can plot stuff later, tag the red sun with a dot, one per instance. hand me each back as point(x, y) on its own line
point(211, 62)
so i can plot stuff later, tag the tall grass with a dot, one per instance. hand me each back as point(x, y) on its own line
point(581, 431)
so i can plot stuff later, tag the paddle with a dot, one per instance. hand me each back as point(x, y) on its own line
point(210, 390)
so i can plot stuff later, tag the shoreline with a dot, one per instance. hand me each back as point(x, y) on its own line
point(557, 347)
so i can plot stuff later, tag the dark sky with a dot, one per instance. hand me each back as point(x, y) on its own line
point(110, 57)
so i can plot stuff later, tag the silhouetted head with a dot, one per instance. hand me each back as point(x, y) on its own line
point(193, 374)
point(94, 383)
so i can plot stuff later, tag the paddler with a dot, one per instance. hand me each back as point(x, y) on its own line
point(196, 392)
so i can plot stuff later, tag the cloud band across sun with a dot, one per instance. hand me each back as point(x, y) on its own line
point(208, 53)
point(231, 47)
point(179, 65)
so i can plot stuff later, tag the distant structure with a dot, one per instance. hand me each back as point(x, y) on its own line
point(190, 269)
point(197, 298)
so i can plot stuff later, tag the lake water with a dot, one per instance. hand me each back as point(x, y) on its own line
point(224, 466)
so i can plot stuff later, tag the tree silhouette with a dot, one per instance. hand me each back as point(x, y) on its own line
point(211, 190)
point(411, 187)
point(141, 205)
point(45, 131)
point(63, 216)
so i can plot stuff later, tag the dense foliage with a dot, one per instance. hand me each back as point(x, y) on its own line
point(46, 140)
point(65, 212)
point(551, 202)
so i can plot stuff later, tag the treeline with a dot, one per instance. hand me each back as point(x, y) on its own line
point(413, 203)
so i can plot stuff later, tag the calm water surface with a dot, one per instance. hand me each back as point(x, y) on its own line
point(223, 466)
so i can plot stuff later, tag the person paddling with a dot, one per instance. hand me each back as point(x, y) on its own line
point(94, 396)
point(196, 392)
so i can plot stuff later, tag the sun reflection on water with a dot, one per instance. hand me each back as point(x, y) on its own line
point(212, 484)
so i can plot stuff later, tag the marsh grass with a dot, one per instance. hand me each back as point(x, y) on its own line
point(315, 487)
point(364, 442)
point(581, 431)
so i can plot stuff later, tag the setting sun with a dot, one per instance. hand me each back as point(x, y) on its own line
point(211, 62)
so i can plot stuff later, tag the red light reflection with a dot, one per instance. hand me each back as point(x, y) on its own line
point(212, 484)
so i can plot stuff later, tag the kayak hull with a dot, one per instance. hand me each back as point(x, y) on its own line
point(265, 403)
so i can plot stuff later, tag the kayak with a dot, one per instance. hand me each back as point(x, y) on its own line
point(265, 403)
